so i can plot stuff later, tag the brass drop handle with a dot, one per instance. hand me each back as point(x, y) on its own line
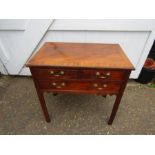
point(95, 85)
point(100, 88)
point(103, 76)
point(63, 84)
point(54, 84)
point(105, 85)
point(59, 74)
point(58, 86)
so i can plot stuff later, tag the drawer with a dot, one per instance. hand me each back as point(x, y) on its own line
point(81, 86)
point(50, 73)
point(103, 74)
point(78, 74)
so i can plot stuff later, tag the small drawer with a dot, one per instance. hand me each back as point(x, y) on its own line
point(81, 86)
point(52, 73)
point(103, 74)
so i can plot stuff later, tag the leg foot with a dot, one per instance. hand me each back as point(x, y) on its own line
point(104, 96)
point(48, 120)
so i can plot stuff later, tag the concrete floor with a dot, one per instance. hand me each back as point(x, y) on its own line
point(20, 112)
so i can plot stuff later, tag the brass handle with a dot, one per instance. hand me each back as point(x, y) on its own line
point(62, 72)
point(100, 88)
point(105, 85)
point(59, 74)
point(95, 85)
point(54, 84)
point(63, 84)
point(51, 72)
point(58, 86)
point(103, 76)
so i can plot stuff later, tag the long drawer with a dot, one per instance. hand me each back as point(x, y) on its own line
point(81, 86)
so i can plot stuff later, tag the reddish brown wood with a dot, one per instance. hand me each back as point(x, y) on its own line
point(74, 73)
point(42, 100)
point(118, 97)
point(81, 55)
point(76, 86)
point(80, 68)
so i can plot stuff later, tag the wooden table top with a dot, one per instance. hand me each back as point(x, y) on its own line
point(91, 55)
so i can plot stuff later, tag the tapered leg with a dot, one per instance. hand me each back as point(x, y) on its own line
point(43, 106)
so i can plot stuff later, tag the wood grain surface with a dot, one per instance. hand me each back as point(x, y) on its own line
point(81, 55)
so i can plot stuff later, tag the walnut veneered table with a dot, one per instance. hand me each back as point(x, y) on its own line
point(80, 68)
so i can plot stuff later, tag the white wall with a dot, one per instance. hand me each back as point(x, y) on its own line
point(19, 39)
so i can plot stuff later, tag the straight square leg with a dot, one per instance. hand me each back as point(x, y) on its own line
point(43, 105)
point(118, 97)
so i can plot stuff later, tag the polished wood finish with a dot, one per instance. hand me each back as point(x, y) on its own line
point(66, 73)
point(81, 55)
point(80, 68)
point(88, 87)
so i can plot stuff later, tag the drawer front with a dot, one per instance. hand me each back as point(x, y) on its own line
point(54, 73)
point(78, 74)
point(99, 74)
point(81, 86)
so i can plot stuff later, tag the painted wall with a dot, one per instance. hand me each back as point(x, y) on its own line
point(19, 39)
